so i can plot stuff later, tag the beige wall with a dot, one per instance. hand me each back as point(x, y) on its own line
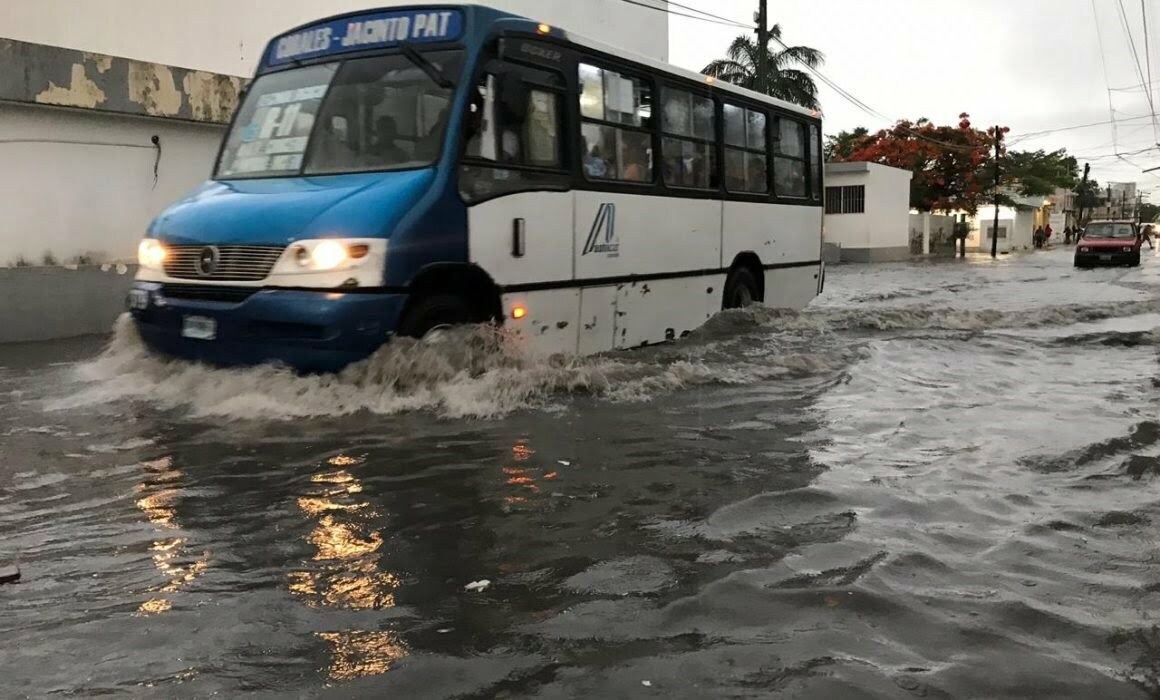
point(228, 36)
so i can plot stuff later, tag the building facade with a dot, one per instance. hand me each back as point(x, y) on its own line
point(110, 111)
point(867, 212)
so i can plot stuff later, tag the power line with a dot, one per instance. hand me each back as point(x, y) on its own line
point(728, 23)
point(1107, 80)
point(1044, 132)
point(1126, 26)
point(1148, 58)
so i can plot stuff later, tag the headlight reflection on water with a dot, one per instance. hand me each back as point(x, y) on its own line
point(161, 493)
point(347, 574)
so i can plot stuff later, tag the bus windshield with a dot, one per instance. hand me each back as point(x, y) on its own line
point(360, 115)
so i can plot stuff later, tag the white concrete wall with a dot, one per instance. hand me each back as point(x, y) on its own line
point(849, 230)
point(888, 204)
point(228, 36)
point(886, 222)
point(93, 197)
point(1020, 229)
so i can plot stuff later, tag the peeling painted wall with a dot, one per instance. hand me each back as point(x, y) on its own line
point(48, 75)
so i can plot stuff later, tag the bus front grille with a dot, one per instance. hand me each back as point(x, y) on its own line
point(237, 263)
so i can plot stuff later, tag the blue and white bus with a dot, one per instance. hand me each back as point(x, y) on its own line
point(396, 171)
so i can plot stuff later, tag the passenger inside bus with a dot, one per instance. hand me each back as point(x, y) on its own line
point(386, 141)
point(635, 164)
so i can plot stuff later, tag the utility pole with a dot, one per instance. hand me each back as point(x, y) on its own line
point(995, 231)
point(1087, 168)
point(762, 44)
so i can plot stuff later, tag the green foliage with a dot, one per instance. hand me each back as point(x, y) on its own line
point(842, 145)
point(1039, 173)
point(781, 79)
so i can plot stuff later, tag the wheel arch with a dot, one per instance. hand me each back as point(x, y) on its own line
point(748, 260)
point(469, 281)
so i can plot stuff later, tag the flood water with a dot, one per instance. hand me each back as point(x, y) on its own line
point(940, 480)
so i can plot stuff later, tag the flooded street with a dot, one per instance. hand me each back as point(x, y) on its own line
point(940, 480)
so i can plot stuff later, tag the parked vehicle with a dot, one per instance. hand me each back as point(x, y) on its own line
point(392, 172)
point(1109, 243)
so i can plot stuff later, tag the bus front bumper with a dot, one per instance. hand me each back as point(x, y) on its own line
point(310, 331)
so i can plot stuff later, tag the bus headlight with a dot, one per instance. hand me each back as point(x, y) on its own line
point(330, 255)
point(151, 254)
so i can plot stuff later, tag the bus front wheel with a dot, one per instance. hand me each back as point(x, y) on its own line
point(435, 313)
point(741, 289)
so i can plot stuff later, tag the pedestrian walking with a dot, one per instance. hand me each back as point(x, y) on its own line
point(1067, 235)
point(1037, 237)
point(1146, 235)
point(1047, 234)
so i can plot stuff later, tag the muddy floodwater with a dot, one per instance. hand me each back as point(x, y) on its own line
point(940, 480)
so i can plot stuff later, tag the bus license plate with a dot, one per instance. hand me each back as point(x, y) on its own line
point(199, 328)
point(138, 299)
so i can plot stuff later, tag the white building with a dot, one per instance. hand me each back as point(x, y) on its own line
point(100, 129)
point(868, 211)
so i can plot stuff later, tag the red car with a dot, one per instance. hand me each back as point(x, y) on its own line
point(1109, 243)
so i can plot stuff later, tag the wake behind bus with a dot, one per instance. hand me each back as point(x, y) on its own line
point(394, 172)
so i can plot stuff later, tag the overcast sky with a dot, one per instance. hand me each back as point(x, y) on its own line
point(1027, 64)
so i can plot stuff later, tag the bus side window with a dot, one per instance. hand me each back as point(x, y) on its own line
point(746, 168)
point(789, 161)
point(513, 123)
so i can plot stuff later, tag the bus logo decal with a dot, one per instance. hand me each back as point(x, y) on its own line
point(602, 236)
point(207, 260)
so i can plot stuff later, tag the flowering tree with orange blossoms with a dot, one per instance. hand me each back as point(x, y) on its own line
point(952, 166)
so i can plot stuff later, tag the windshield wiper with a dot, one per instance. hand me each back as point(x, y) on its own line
point(427, 66)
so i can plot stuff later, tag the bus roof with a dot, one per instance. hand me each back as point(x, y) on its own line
point(501, 17)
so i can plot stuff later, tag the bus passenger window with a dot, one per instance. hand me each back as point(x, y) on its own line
point(746, 168)
point(514, 123)
point(789, 161)
point(616, 130)
point(512, 132)
point(690, 154)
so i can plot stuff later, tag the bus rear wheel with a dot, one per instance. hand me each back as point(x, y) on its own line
point(436, 313)
point(741, 289)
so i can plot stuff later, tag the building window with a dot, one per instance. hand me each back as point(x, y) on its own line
point(617, 125)
point(850, 199)
point(690, 131)
point(789, 161)
point(746, 167)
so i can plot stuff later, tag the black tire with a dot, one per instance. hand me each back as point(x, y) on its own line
point(437, 311)
point(1136, 259)
point(741, 289)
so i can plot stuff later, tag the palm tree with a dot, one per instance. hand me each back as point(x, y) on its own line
point(790, 84)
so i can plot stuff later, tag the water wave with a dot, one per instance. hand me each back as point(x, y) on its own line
point(477, 372)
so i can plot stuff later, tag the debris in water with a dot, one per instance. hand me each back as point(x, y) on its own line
point(564, 463)
point(446, 630)
point(647, 684)
point(477, 586)
point(9, 574)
